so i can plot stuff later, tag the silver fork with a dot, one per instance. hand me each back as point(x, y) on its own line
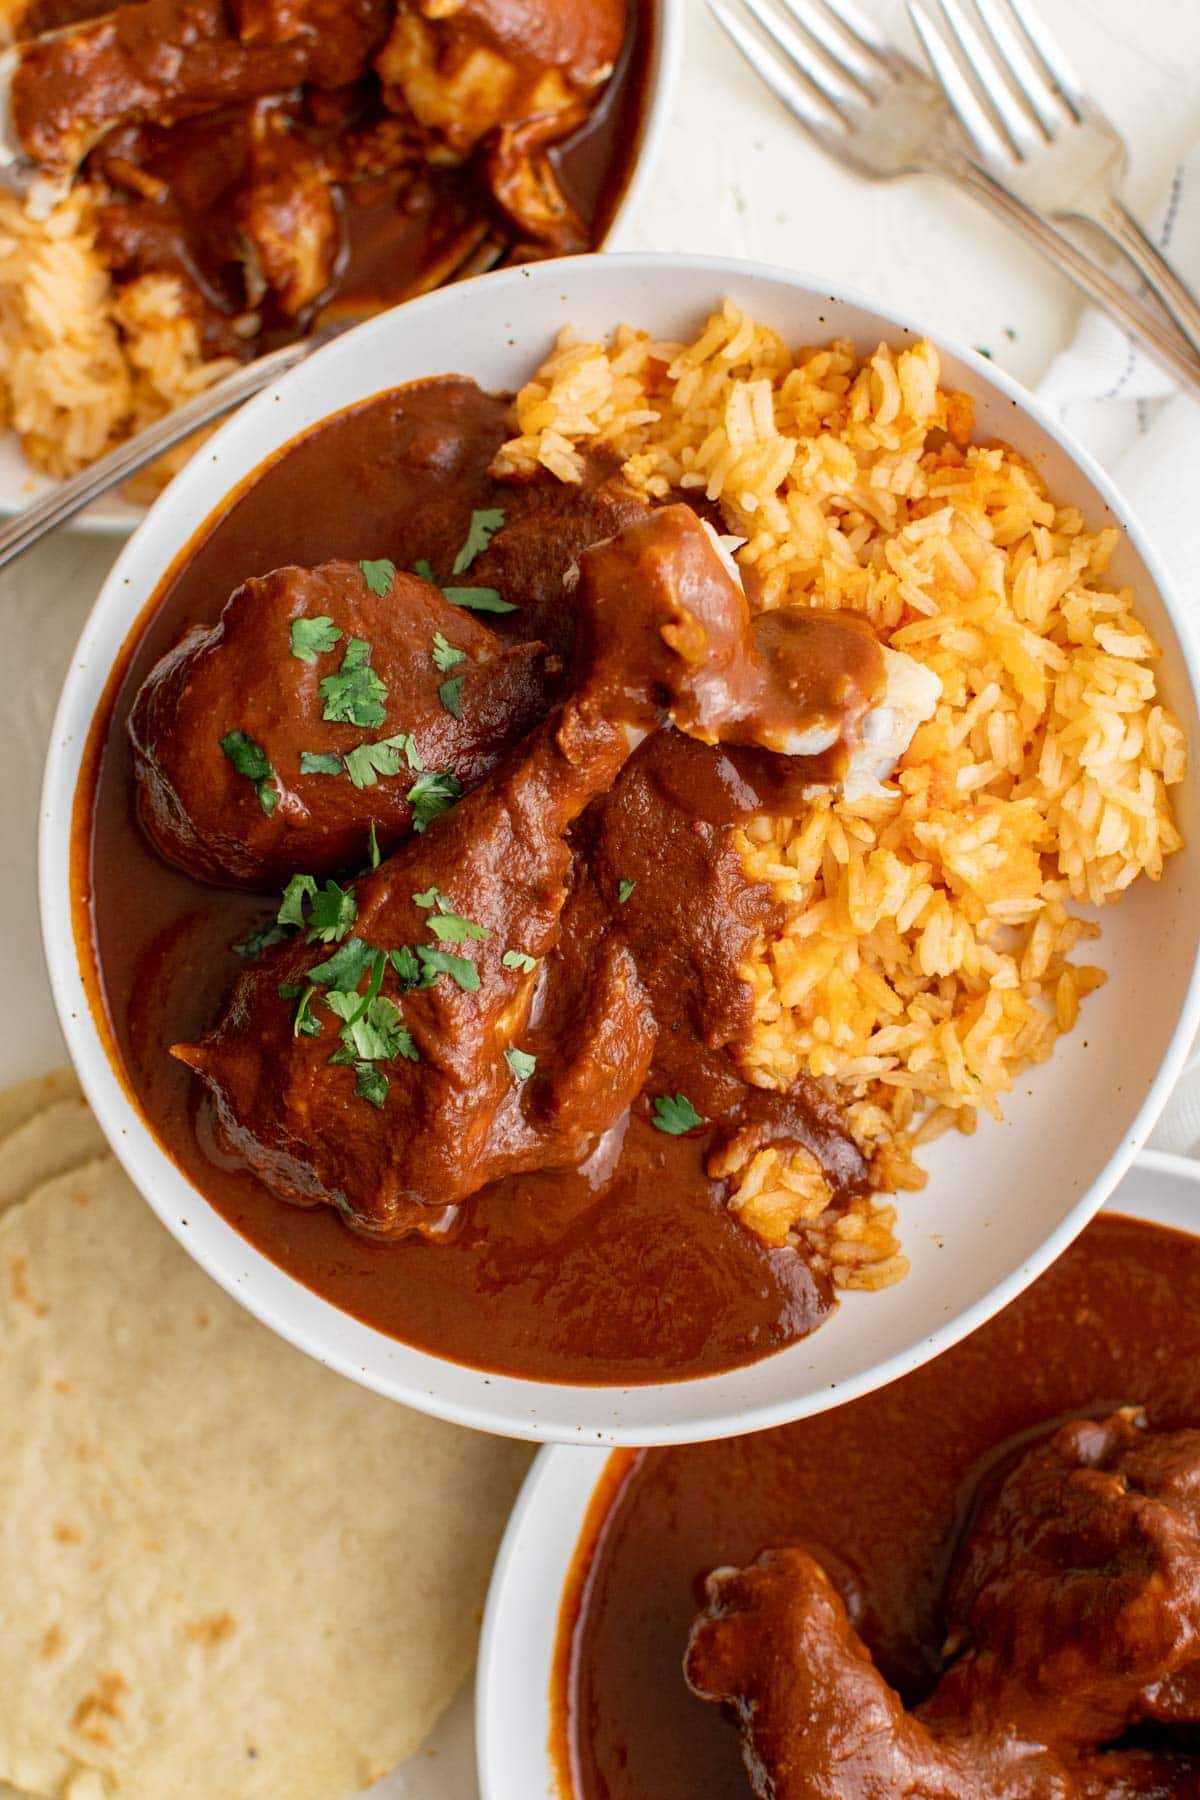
point(875, 110)
point(1038, 132)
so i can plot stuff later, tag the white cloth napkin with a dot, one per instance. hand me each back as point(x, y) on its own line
point(1127, 412)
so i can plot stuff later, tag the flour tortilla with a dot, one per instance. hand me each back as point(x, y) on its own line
point(227, 1573)
point(19, 1104)
point(56, 1138)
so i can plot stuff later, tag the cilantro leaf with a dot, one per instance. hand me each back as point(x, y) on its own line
point(259, 940)
point(433, 896)
point(250, 760)
point(313, 637)
point(355, 695)
point(478, 599)
point(334, 910)
point(386, 756)
point(517, 959)
point(371, 1084)
point(460, 968)
point(450, 695)
point(346, 967)
point(291, 908)
point(409, 972)
point(425, 570)
point(624, 889)
point(445, 655)
point(484, 526)
point(374, 1031)
point(303, 1023)
point(247, 757)
point(452, 928)
point(379, 576)
point(675, 1114)
point(373, 856)
point(521, 1063)
point(430, 794)
point(319, 762)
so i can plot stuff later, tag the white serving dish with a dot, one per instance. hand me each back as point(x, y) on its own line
point(20, 484)
point(513, 1711)
point(999, 1206)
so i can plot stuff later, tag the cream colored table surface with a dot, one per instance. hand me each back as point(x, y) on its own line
point(736, 179)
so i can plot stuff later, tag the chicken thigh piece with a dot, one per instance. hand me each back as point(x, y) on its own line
point(315, 708)
point(165, 60)
point(1074, 1615)
point(509, 78)
point(390, 1078)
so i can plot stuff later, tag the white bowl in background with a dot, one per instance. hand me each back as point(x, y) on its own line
point(514, 1674)
point(21, 485)
point(999, 1206)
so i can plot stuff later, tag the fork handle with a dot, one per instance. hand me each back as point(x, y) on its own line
point(1159, 339)
point(1119, 224)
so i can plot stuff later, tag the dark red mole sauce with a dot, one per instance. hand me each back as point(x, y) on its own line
point(399, 224)
point(612, 1278)
point(880, 1491)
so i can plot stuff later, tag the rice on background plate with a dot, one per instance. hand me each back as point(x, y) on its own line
point(84, 363)
point(930, 950)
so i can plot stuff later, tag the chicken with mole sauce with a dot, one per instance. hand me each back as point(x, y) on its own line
point(442, 1005)
point(1073, 1621)
point(279, 158)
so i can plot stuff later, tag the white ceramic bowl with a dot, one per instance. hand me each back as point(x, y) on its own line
point(998, 1207)
point(20, 485)
point(513, 1711)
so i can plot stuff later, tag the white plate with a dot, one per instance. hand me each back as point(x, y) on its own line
point(114, 517)
point(998, 1207)
point(513, 1715)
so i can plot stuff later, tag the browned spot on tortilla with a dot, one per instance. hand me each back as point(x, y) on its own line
point(97, 1708)
point(84, 1451)
point(81, 1197)
point(53, 1642)
point(203, 1317)
point(211, 1630)
point(62, 1387)
point(18, 1274)
point(67, 1534)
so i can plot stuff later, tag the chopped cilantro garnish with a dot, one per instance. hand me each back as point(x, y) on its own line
point(517, 959)
point(521, 1063)
point(452, 928)
point(460, 968)
point(445, 655)
point(624, 889)
point(450, 695)
point(374, 1031)
point(675, 1114)
point(430, 794)
point(425, 570)
point(371, 1084)
point(250, 760)
point(379, 576)
point(313, 637)
point(259, 940)
point(346, 967)
point(334, 909)
point(478, 599)
point(291, 908)
point(373, 855)
point(484, 526)
point(409, 972)
point(387, 756)
point(433, 896)
point(355, 695)
point(319, 762)
point(303, 1023)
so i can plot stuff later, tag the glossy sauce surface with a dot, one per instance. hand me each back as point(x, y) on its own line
point(877, 1490)
point(620, 1274)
